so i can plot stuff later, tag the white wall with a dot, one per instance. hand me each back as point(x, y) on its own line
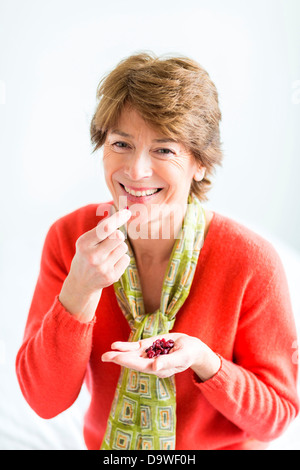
point(52, 55)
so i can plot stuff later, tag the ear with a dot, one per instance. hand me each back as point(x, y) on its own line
point(199, 173)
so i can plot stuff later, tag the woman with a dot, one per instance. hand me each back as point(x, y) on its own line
point(154, 264)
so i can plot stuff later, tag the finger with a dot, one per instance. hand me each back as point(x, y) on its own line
point(108, 226)
point(131, 360)
point(117, 253)
point(142, 344)
point(90, 240)
point(109, 356)
point(107, 246)
point(126, 345)
point(121, 265)
point(106, 229)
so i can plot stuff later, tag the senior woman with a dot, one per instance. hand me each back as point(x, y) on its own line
point(154, 264)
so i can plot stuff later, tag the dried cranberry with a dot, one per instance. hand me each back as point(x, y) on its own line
point(160, 346)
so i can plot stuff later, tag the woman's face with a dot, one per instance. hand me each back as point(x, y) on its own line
point(147, 167)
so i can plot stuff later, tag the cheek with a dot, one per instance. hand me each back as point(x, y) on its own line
point(111, 164)
point(107, 171)
point(179, 171)
point(170, 171)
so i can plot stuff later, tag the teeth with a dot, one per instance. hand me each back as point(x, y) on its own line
point(140, 193)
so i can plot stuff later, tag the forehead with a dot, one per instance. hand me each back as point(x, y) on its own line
point(131, 124)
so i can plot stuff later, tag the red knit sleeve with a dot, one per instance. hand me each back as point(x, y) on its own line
point(52, 361)
point(257, 391)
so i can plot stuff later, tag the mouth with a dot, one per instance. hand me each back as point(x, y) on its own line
point(141, 194)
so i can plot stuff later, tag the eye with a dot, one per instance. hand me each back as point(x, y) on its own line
point(165, 151)
point(120, 145)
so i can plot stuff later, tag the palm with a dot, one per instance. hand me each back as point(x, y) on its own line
point(133, 355)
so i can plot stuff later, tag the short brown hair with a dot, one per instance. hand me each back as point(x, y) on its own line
point(175, 95)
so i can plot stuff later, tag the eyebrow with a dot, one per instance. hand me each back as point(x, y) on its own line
point(129, 136)
point(121, 133)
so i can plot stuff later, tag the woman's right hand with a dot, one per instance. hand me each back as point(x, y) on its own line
point(99, 261)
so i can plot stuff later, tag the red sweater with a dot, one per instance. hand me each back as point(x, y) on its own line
point(238, 305)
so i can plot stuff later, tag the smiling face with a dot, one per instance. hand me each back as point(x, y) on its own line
point(145, 166)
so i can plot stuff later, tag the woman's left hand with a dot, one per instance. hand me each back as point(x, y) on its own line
point(188, 351)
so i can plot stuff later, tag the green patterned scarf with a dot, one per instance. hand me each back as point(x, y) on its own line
point(143, 413)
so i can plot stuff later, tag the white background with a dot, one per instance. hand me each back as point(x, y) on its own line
point(52, 56)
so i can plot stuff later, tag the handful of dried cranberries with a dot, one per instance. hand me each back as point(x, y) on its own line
point(160, 346)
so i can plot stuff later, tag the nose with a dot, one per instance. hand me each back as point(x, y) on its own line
point(138, 166)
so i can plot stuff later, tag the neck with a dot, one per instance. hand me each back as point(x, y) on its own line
point(152, 251)
point(149, 250)
point(152, 235)
point(153, 244)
